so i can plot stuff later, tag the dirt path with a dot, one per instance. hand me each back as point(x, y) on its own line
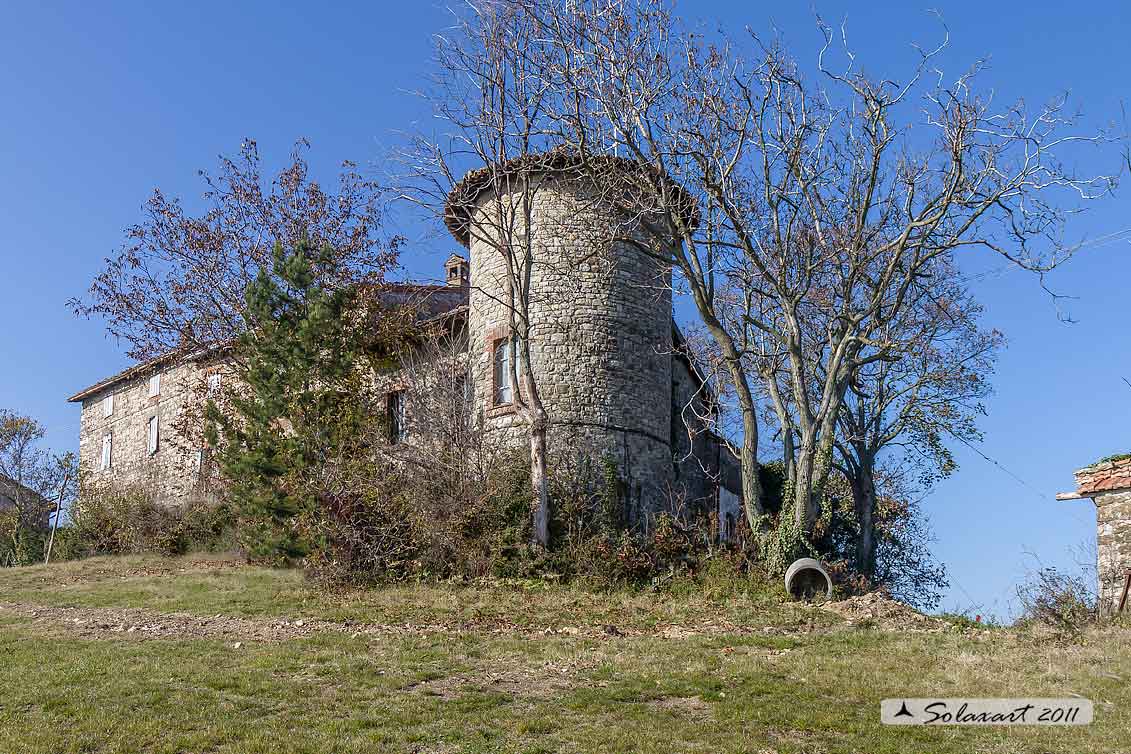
point(136, 623)
point(143, 624)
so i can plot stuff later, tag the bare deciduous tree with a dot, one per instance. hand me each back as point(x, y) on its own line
point(34, 483)
point(178, 282)
point(815, 199)
point(927, 390)
point(492, 95)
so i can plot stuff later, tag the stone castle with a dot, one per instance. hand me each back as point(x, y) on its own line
point(608, 358)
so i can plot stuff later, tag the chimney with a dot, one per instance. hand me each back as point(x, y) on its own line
point(456, 271)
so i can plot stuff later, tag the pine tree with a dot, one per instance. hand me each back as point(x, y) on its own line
point(296, 413)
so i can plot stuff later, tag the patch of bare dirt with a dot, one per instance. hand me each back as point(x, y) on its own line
point(547, 682)
point(175, 568)
point(683, 705)
point(140, 623)
point(136, 623)
point(877, 611)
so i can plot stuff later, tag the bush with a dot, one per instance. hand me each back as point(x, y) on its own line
point(364, 534)
point(107, 519)
point(20, 545)
point(394, 524)
point(1061, 602)
point(387, 523)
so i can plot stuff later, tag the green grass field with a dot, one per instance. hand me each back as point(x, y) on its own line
point(200, 654)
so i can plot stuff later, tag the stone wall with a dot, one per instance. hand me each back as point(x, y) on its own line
point(600, 335)
point(1113, 544)
point(1108, 484)
point(431, 375)
point(172, 473)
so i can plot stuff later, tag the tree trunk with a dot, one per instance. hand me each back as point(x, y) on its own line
point(538, 480)
point(805, 508)
point(814, 462)
point(55, 521)
point(864, 500)
point(748, 455)
point(751, 484)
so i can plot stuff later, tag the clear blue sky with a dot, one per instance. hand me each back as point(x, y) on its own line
point(102, 102)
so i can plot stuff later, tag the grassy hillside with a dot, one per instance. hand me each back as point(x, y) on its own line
point(204, 655)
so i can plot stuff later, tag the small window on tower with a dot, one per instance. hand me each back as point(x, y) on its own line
point(108, 406)
point(214, 383)
point(107, 447)
point(503, 391)
point(398, 431)
point(155, 385)
point(506, 351)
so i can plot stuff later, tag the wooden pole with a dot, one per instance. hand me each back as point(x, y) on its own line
point(55, 522)
point(1126, 588)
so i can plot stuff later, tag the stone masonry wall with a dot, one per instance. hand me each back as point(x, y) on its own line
point(1113, 544)
point(695, 457)
point(1108, 484)
point(172, 473)
point(600, 337)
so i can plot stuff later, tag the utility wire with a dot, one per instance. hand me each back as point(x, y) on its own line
point(1044, 497)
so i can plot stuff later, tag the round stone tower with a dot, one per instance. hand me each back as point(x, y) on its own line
point(600, 324)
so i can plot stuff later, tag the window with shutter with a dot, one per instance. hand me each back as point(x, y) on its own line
point(214, 383)
point(108, 406)
point(107, 442)
point(152, 435)
point(155, 385)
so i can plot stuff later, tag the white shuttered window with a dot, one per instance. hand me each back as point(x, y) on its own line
point(152, 435)
point(107, 443)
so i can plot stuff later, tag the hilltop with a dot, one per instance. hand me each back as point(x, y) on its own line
point(203, 653)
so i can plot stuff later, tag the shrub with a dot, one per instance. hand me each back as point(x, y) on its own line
point(592, 541)
point(20, 544)
point(385, 522)
point(388, 523)
point(1061, 602)
point(108, 519)
point(363, 534)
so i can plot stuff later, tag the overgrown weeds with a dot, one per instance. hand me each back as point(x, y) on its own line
point(113, 519)
point(1060, 602)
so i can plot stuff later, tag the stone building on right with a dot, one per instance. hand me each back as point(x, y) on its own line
point(1108, 484)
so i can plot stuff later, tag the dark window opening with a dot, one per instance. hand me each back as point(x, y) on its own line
point(398, 431)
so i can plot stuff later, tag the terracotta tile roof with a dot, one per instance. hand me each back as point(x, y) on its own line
point(1104, 476)
point(143, 368)
point(430, 301)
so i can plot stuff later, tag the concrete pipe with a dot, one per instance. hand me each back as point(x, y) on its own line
point(806, 579)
